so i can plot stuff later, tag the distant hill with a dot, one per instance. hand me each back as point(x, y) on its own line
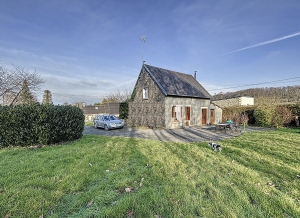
point(287, 94)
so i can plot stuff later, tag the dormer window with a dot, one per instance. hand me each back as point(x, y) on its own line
point(145, 93)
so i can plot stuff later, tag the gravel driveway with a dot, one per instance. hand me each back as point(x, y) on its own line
point(190, 134)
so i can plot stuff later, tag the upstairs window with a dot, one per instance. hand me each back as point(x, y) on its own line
point(145, 93)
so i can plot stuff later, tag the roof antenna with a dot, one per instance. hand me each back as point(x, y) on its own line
point(143, 39)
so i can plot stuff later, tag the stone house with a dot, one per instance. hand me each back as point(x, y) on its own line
point(168, 99)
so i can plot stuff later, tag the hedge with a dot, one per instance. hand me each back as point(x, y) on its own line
point(123, 110)
point(265, 115)
point(295, 109)
point(35, 124)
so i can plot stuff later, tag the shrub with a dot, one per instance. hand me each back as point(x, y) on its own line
point(273, 116)
point(295, 109)
point(281, 117)
point(123, 110)
point(263, 116)
point(32, 124)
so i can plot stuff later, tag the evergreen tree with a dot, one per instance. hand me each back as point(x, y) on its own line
point(47, 97)
point(25, 96)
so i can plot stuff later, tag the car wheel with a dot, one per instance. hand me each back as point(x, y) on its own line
point(106, 127)
point(95, 125)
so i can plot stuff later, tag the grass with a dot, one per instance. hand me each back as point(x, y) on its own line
point(88, 123)
point(255, 175)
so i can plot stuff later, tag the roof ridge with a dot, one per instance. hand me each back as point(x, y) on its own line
point(173, 71)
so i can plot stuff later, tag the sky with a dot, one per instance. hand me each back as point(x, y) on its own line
point(87, 49)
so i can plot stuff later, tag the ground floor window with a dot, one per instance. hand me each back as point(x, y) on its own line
point(176, 113)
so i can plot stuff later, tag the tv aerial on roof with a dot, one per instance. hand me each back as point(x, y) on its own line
point(143, 40)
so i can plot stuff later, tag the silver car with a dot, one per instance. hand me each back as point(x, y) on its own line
point(108, 122)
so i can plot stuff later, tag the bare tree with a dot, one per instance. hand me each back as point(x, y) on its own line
point(14, 81)
point(118, 96)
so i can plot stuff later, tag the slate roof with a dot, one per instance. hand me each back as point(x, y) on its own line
point(173, 83)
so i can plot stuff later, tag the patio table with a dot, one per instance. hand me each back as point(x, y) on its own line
point(224, 126)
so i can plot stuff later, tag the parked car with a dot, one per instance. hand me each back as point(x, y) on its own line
point(108, 121)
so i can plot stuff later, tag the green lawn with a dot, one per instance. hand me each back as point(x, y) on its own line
point(255, 175)
point(89, 123)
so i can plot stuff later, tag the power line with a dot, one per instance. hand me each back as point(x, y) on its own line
point(71, 96)
point(270, 82)
point(74, 97)
point(92, 96)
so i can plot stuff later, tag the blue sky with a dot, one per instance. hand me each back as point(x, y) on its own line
point(85, 50)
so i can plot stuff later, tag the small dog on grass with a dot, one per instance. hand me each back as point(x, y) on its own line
point(215, 146)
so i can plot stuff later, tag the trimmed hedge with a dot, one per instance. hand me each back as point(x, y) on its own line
point(263, 116)
point(295, 109)
point(123, 111)
point(35, 124)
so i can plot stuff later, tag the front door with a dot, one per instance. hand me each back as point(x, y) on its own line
point(204, 115)
point(187, 115)
point(212, 116)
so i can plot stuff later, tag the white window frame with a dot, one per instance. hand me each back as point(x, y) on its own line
point(145, 93)
point(177, 116)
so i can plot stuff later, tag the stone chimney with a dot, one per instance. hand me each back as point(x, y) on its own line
point(195, 73)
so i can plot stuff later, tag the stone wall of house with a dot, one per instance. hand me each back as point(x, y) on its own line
point(218, 113)
point(196, 105)
point(146, 112)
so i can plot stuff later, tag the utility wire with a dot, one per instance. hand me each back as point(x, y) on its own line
point(240, 86)
point(92, 96)
point(78, 99)
point(270, 82)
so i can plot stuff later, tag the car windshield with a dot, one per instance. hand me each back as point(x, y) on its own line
point(106, 118)
point(111, 117)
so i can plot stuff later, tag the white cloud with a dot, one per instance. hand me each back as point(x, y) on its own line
point(273, 53)
point(265, 43)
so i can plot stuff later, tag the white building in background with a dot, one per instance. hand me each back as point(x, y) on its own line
point(246, 101)
point(237, 101)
